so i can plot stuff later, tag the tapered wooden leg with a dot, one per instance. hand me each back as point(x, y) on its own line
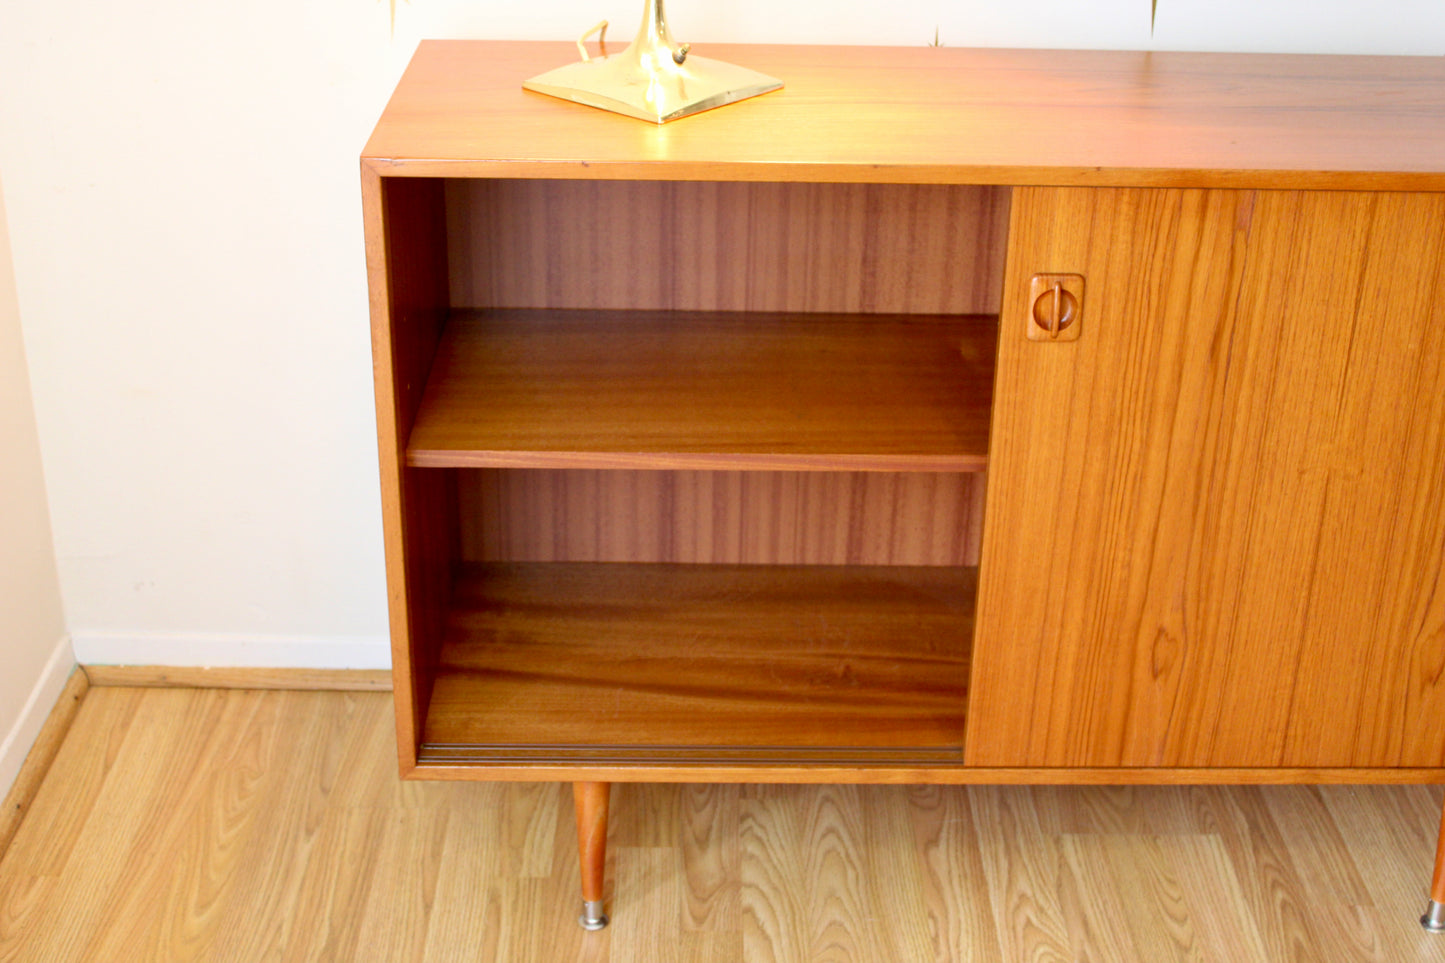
point(591, 799)
point(1434, 918)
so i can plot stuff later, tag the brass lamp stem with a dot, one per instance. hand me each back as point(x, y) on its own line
point(653, 29)
point(653, 39)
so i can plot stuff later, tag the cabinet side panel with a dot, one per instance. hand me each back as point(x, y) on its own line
point(753, 518)
point(1215, 534)
point(406, 263)
point(876, 248)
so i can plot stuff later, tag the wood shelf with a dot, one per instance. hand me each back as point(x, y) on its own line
point(708, 390)
point(702, 664)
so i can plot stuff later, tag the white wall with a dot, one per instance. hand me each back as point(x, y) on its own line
point(35, 655)
point(183, 193)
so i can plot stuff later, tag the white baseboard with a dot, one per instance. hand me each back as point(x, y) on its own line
point(37, 708)
point(232, 651)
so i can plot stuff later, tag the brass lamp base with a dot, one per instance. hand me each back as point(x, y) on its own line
point(653, 79)
point(699, 84)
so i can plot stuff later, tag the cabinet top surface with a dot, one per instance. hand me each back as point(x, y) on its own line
point(938, 114)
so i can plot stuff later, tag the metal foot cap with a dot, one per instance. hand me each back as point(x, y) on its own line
point(592, 917)
point(1434, 918)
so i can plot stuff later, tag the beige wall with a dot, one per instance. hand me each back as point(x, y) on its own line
point(34, 654)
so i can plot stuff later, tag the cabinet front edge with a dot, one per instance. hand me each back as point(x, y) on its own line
point(905, 775)
point(1005, 176)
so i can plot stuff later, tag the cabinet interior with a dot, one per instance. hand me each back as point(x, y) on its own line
point(691, 472)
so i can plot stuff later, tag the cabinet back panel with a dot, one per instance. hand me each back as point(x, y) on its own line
point(771, 518)
point(876, 248)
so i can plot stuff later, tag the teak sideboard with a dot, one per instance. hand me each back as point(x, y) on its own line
point(946, 416)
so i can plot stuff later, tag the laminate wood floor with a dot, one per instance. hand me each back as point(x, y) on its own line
point(190, 824)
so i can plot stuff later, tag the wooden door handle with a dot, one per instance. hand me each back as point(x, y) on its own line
point(1055, 307)
point(1054, 310)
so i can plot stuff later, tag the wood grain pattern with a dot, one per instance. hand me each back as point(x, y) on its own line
point(739, 518)
point(586, 389)
point(42, 753)
point(1271, 884)
point(1309, 842)
point(943, 115)
point(230, 825)
point(1393, 827)
point(702, 662)
point(803, 872)
point(651, 245)
point(1235, 475)
point(951, 877)
point(45, 846)
point(1024, 895)
point(181, 761)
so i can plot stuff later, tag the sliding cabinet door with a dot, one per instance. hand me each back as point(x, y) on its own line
point(1215, 531)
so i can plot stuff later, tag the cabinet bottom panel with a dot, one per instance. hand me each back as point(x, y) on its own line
point(615, 663)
